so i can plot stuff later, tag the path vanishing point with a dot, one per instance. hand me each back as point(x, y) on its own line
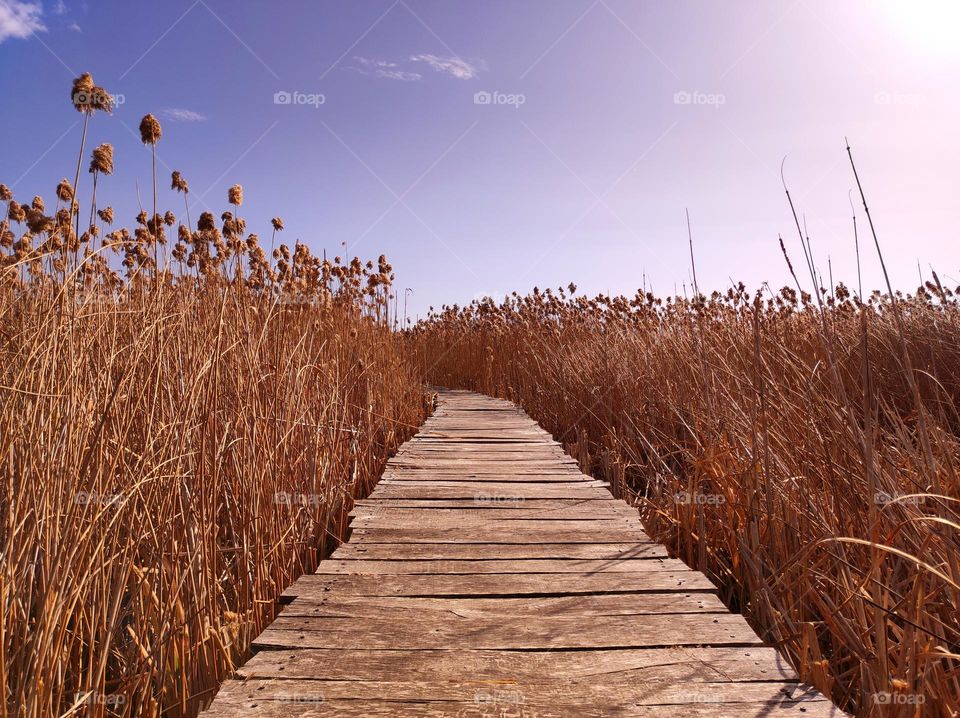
point(487, 576)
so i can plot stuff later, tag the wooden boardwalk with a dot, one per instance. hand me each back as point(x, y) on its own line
point(487, 576)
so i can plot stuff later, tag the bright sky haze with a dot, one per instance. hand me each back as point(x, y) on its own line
point(492, 146)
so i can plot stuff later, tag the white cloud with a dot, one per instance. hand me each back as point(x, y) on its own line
point(73, 26)
point(386, 69)
point(461, 69)
point(176, 114)
point(373, 63)
point(60, 8)
point(20, 19)
point(401, 75)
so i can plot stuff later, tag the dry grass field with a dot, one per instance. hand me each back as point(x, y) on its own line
point(177, 445)
point(776, 444)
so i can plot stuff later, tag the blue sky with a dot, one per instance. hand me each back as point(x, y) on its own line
point(497, 145)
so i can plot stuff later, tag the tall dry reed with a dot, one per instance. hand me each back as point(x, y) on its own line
point(178, 442)
point(773, 446)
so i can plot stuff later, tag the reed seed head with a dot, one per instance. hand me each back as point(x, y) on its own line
point(81, 94)
point(101, 159)
point(65, 191)
point(150, 130)
point(178, 183)
point(16, 212)
point(102, 100)
point(207, 222)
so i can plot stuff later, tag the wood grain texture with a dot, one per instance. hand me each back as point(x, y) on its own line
point(485, 575)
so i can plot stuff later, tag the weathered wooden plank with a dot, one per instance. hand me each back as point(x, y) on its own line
point(504, 463)
point(694, 665)
point(546, 584)
point(397, 608)
point(489, 491)
point(535, 449)
point(230, 707)
point(495, 566)
point(480, 479)
point(435, 551)
point(678, 694)
point(490, 441)
point(468, 465)
point(492, 430)
point(508, 534)
point(509, 632)
point(493, 450)
point(507, 461)
point(545, 505)
point(480, 512)
point(526, 486)
point(496, 527)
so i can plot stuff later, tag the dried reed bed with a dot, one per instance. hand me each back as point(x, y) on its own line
point(773, 445)
point(180, 436)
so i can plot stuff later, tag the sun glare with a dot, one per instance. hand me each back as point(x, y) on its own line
point(933, 23)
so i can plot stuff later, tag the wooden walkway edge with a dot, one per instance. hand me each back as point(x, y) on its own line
point(487, 576)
